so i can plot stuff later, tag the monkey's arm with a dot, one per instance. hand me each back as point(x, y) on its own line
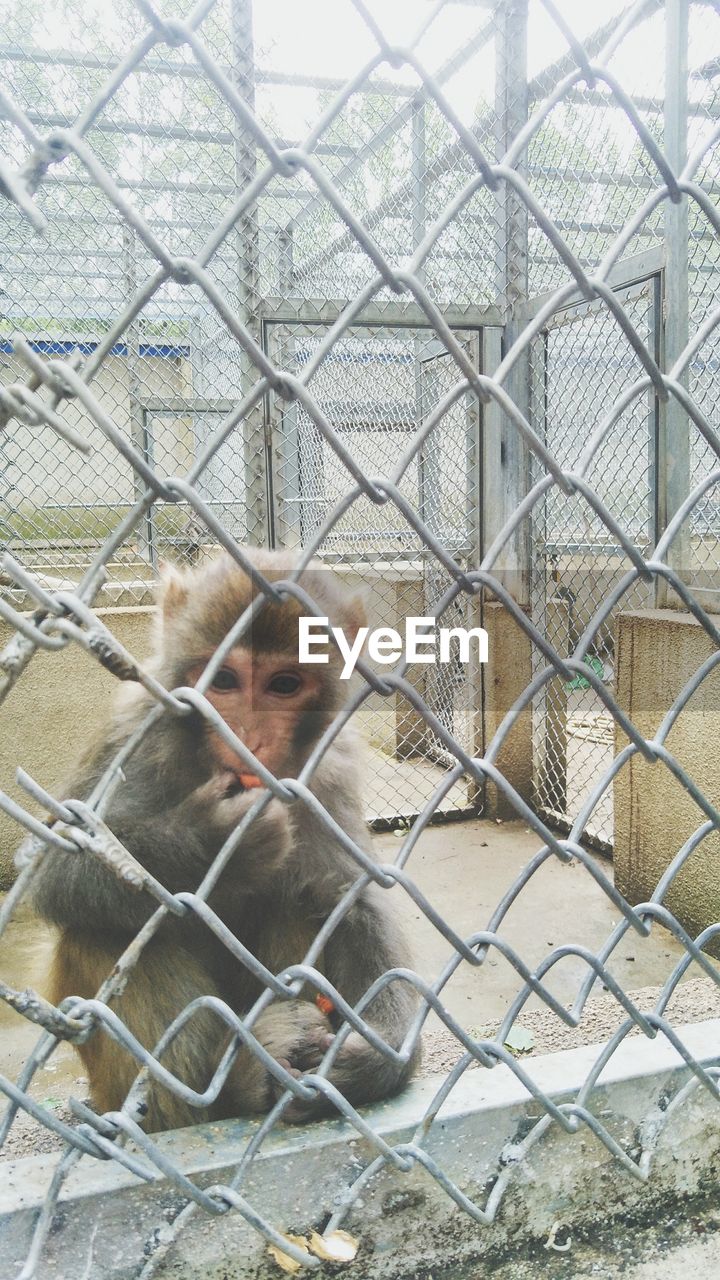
point(367, 944)
point(177, 846)
point(76, 891)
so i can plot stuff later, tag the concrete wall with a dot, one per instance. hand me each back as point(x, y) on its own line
point(658, 650)
point(507, 673)
point(60, 701)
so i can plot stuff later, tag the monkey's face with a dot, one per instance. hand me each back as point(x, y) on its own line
point(275, 706)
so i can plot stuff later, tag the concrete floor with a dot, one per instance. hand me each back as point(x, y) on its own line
point(403, 787)
point(680, 1246)
point(464, 869)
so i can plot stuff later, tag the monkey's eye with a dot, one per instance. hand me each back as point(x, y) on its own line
point(224, 679)
point(286, 683)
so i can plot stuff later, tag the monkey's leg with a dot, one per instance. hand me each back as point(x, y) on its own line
point(167, 979)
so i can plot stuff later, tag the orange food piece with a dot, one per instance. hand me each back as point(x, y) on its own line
point(249, 780)
point(324, 1004)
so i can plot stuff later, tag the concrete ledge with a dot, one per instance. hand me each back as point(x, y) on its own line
point(405, 1221)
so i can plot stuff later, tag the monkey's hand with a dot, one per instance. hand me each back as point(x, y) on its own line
point(222, 803)
point(363, 947)
point(298, 1036)
point(220, 806)
point(360, 1073)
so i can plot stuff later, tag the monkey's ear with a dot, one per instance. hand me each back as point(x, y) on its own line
point(172, 590)
point(354, 614)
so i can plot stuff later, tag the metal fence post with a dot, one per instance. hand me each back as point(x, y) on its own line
point(395, 498)
point(505, 455)
point(247, 242)
point(139, 432)
point(674, 424)
point(419, 174)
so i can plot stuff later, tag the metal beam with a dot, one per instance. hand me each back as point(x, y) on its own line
point(191, 71)
point(627, 271)
point(506, 458)
point(55, 178)
point(144, 129)
point(653, 106)
point(382, 315)
point(247, 245)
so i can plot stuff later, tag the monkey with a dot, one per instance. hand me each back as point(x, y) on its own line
point(184, 791)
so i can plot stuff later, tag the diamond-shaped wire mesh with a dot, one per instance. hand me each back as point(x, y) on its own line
point(417, 306)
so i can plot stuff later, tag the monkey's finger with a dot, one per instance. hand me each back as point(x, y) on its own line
point(298, 1112)
point(286, 1065)
point(309, 1053)
point(217, 787)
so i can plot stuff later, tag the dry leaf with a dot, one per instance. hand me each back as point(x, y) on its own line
point(283, 1259)
point(519, 1040)
point(338, 1246)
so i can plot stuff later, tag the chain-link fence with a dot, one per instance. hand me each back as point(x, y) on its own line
point(177, 149)
point(429, 293)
